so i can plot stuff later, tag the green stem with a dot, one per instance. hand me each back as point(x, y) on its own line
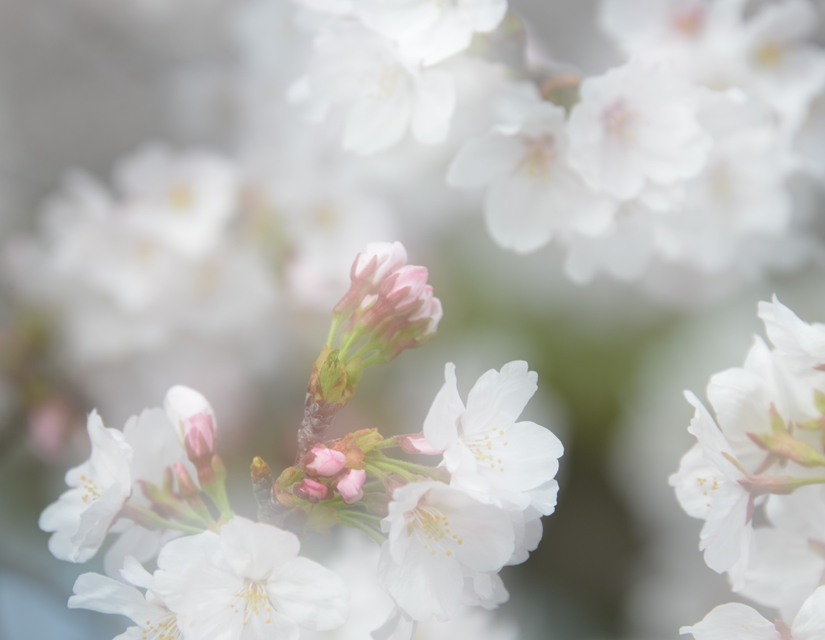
point(151, 520)
point(366, 517)
point(357, 524)
point(409, 466)
point(385, 469)
point(333, 329)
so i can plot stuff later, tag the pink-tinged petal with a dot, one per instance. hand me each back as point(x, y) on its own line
point(311, 595)
point(417, 443)
point(323, 461)
point(351, 485)
point(440, 425)
point(733, 621)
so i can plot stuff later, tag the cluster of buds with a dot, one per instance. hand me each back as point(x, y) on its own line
point(389, 308)
point(348, 481)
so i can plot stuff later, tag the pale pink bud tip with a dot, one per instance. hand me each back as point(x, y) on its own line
point(199, 436)
point(323, 461)
point(380, 260)
point(351, 485)
point(417, 443)
point(189, 410)
point(310, 490)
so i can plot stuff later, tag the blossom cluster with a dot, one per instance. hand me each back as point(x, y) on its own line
point(445, 531)
point(763, 452)
point(687, 159)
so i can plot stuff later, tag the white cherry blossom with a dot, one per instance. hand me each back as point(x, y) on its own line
point(383, 93)
point(707, 486)
point(532, 191)
point(149, 613)
point(431, 31)
point(635, 125)
point(437, 534)
point(247, 581)
point(99, 487)
point(485, 449)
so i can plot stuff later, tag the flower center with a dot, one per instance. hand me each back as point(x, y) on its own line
point(383, 81)
point(540, 155)
point(181, 198)
point(619, 121)
point(165, 628)
point(432, 528)
point(253, 601)
point(769, 55)
point(91, 490)
point(484, 445)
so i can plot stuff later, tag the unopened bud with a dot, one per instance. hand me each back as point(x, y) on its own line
point(310, 490)
point(351, 485)
point(194, 420)
point(369, 270)
point(322, 461)
point(417, 443)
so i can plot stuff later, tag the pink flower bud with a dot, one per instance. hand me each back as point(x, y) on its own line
point(405, 287)
point(194, 421)
point(417, 443)
point(380, 260)
point(310, 490)
point(430, 310)
point(351, 485)
point(323, 461)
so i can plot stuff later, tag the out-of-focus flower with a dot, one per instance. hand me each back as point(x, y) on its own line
point(248, 577)
point(634, 126)
point(533, 192)
point(431, 32)
point(384, 94)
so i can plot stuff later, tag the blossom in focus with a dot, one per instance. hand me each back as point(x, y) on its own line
point(707, 486)
point(247, 581)
point(383, 93)
point(735, 620)
point(485, 449)
point(532, 191)
point(431, 32)
point(149, 613)
point(98, 488)
point(436, 535)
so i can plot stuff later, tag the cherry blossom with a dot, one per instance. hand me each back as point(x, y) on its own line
point(247, 579)
point(533, 192)
point(436, 534)
point(485, 449)
point(383, 93)
point(636, 125)
point(431, 31)
point(149, 613)
point(98, 488)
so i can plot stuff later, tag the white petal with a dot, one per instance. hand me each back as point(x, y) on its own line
point(253, 550)
point(482, 159)
point(311, 595)
point(498, 398)
point(733, 621)
point(440, 428)
point(98, 593)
